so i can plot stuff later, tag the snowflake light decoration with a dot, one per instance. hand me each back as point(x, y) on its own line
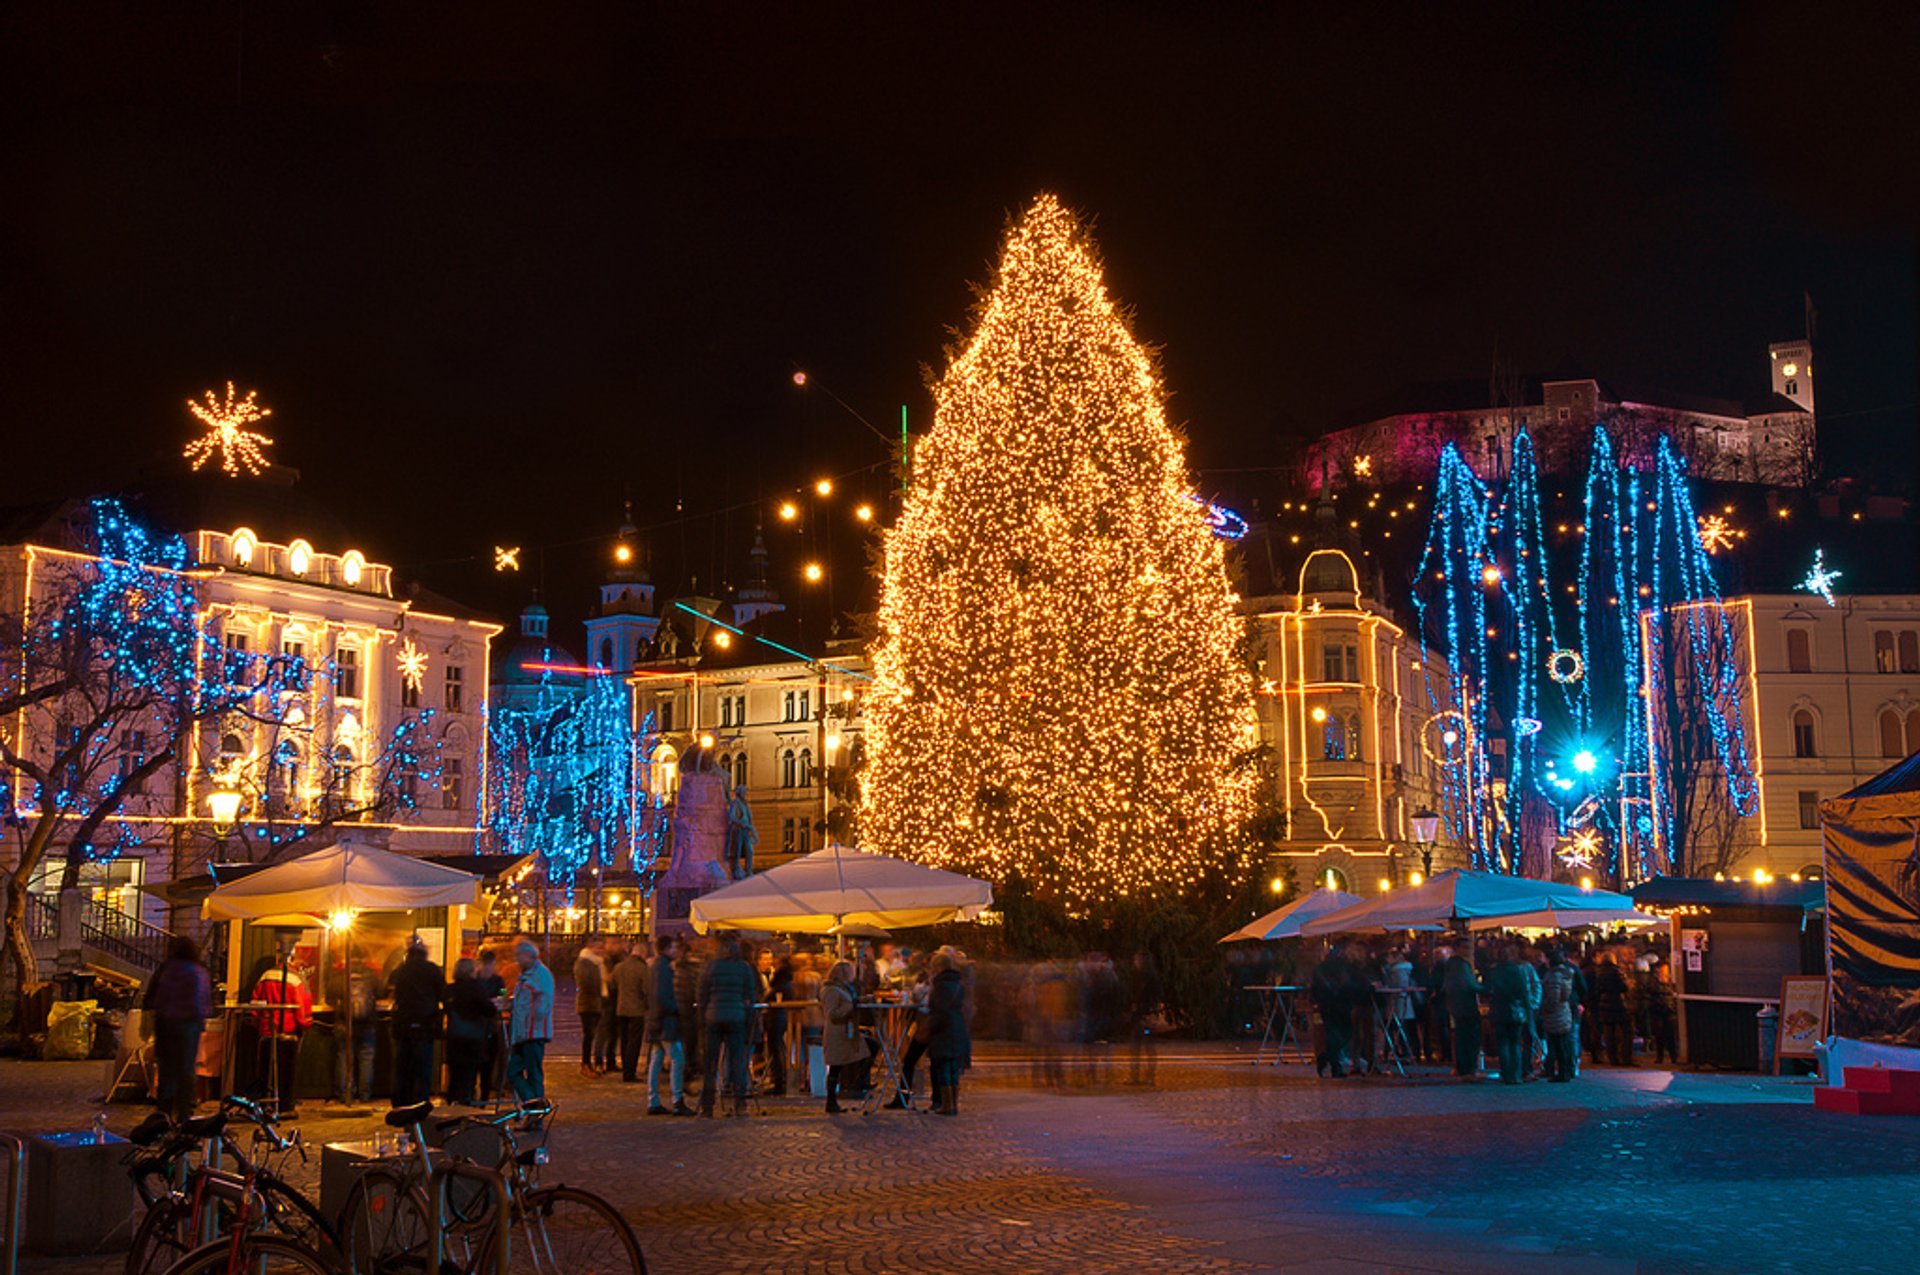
point(226, 421)
point(1582, 850)
point(1715, 533)
point(505, 559)
point(413, 665)
point(1819, 579)
point(1363, 466)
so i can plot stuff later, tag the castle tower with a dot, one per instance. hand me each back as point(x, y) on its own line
point(1792, 368)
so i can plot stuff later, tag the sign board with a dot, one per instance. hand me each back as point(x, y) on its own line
point(1803, 1017)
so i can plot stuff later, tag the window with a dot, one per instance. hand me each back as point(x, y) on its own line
point(342, 768)
point(231, 749)
point(452, 778)
point(1330, 662)
point(1799, 651)
point(786, 835)
point(666, 713)
point(1334, 739)
point(1909, 651)
point(409, 692)
point(1883, 651)
point(739, 710)
point(740, 771)
point(606, 652)
point(726, 716)
point(1809, 810)
point(1793, 388)
point(346, 673)
point(410, 784)
point(132, 758)
point(806, 768)
point(1340, 662)
point(726, 766)
point(1803, 743)
point(455, 676)
point(1891, 742)
point(286, 765)
point(1353, 738)
point(786, 768)
point(294, 665)
point(786, 707)
point(806, 708)
point(806, 837)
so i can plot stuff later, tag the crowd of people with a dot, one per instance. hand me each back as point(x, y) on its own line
point(1533, 1007)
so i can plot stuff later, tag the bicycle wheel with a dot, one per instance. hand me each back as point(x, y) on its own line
point(259, 1255)
point(164, 1237)
point(384, 1224)
point(293, 1215)
point(563, 1230)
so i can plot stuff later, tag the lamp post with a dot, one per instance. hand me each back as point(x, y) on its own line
point(1426, 826)
point(223, 804)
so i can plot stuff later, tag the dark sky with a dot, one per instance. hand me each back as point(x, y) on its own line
point(493, 263)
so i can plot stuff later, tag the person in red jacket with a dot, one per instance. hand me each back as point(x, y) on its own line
point(280, 1031)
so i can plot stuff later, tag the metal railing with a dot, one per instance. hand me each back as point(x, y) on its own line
point(43, 918)
point(123, 935)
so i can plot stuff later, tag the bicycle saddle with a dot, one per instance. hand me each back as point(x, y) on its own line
point(150, 1130)
point(204, 1127)
point(407, 1117)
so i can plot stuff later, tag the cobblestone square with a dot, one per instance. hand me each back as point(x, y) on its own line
point(1220, 1166)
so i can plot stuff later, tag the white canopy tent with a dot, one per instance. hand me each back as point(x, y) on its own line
point(1480, 900)
point(1285, 922)
point(343, 877)
point(839, 887)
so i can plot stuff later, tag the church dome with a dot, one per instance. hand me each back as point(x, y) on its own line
point(1329, 571)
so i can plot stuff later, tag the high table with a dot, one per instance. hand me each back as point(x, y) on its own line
point(1278, 998)
point(893, 1024)
point(1393, 1032)
point(791, 1042)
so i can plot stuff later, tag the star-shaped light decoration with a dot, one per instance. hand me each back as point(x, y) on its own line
point(505, 559)
point(1819, 579)
point(1581, 851)
point(1269, 687)
point(1363, 466)
point(226, 421)
point(1715, 534)
point(413, 665)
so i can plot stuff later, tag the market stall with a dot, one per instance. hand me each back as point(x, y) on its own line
point(1735, 943)
point(342, 914)
point(838, 887)
point(1462, 899)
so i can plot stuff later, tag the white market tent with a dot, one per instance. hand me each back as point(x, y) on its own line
point(1285, 922)
point(838, 887)
point(1480, 900)
point(342, 877)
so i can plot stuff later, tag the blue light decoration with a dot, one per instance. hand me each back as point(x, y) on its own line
point(1225, 523)
point(1819, 578)
point(564, 774)
point(1564, 672)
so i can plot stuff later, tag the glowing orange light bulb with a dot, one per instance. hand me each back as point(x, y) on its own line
point(815, 571)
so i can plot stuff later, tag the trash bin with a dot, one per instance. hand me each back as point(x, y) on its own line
point(1767, 1022)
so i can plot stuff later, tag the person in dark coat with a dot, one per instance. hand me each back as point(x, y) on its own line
point(949, 1039)
point(1460, 987)
point(1148, 997)
point(1610, 1010)
point(1433, 977)
point(664, 1046)
point(1514, 995)
point(471, 1019)
point(632, 983)
point(418, 989)
point(178, 1001)
point(686, 986)
point(1334, 988)
point(778, 989)
point(494, 1053)
point(728, 989)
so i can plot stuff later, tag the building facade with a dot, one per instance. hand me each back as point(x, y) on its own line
point(1354, 714)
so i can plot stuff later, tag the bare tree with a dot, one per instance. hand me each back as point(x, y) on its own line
point(1698, 659)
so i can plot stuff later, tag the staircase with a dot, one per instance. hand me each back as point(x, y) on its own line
point(1872, 1091)
point(100, 935)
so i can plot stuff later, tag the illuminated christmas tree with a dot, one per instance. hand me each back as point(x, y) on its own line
point(1059, 691)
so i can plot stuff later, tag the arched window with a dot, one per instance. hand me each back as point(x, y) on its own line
point(806, 767)
point(666, 773)
point(1913, 730)
point(286, 765)
point(1333, 743)
point(1799, 651)
point(740, 771)
point(1803, 741)
point(786, 769)
point(231, 748)
point(1892, 743)
point(1333, 879)
point(1909, 651)
point(606, 652)
point(1353, 738)
point(726, 766)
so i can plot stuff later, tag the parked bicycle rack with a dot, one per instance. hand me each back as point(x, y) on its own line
point(16, 1197)
point(495, 1186)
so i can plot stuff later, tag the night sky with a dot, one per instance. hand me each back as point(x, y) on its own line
point(494, 264)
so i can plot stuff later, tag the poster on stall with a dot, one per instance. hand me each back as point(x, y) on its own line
point(1803, 1017)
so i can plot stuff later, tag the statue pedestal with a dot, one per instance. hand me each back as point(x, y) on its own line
point(699, 852)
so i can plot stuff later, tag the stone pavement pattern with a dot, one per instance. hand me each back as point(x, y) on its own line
point(1220, 1167)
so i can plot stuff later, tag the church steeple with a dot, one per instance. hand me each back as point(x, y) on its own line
point(757, 597)
point(623, 626)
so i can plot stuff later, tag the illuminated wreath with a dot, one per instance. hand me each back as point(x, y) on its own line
point(1565, 666)
point(1434, 742)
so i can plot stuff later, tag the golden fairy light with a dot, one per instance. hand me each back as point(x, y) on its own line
point(1086, 729)
point(506, 558)
point(226, 421)
point(413, 665)
point(1715, 533)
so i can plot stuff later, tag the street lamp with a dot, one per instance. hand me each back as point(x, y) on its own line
point(1426, 826)
point(223, 803)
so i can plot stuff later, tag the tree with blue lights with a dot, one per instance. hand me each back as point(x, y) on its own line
point(1603, 695)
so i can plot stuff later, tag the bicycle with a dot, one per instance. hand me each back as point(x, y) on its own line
point(246, 1249)
point(386, 1224)
point(188, 1205)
